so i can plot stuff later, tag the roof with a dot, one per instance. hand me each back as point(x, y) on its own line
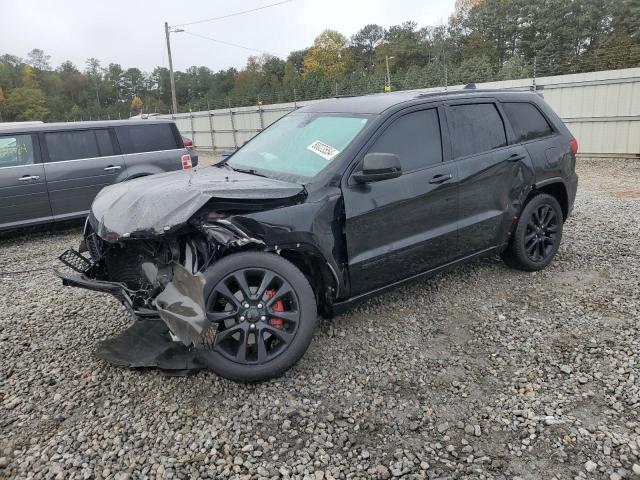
point(378, 102)
point(43, 127)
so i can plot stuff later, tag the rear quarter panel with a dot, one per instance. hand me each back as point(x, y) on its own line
point(552, 158)
point(148, 163)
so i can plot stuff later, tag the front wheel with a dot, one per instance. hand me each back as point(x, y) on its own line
point(263, 312)
point(537, 235)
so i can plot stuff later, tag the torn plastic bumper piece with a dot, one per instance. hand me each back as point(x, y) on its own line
point(181, 306)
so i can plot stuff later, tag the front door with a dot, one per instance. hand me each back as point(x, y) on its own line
point(78, 164)
point(400, 227)
point(23, 189)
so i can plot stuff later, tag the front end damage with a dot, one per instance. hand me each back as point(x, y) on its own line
point(159, 277)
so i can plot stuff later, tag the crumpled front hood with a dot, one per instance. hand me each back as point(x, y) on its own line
point(155, 204)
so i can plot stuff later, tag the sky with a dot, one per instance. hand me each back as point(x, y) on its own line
point(131, 32)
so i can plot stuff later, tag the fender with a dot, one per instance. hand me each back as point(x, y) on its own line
point(549, 181)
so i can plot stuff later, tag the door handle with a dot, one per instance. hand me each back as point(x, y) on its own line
point(112, 168)
point(28, 178)
point(516, 157)
point(441, 178)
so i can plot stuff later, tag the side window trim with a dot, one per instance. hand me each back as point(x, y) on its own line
point(506, 126)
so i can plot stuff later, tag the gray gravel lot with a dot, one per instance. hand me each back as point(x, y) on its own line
point(483, 372)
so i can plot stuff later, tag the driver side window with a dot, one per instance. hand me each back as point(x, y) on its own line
point(415, 138)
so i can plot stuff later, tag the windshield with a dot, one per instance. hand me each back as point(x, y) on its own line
point(298, 146)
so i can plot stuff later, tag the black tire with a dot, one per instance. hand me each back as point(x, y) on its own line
point(535, 240)
point(300, 303)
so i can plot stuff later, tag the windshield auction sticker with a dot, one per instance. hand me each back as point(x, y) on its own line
point(325, 151)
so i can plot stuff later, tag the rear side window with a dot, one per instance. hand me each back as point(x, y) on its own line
point(71, 145)
point(151, 138)
point(105, 143)
point(414, 138)
point(16, 150)
point(527, 121)
point(476, 128)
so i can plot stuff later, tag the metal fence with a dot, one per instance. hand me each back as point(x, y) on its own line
point(602, 110)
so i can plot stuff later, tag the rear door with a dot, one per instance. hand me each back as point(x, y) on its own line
point(151, 148)
point(533, 131)
point(78, 164)
point(23, 189)
point(403, 226)
point(493, 175)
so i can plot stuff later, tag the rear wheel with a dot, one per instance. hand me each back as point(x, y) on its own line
point(537, 235)
point(264, 314)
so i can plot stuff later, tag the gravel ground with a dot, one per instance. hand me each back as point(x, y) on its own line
point(481, 372)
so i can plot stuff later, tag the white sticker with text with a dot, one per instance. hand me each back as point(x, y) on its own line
point(325, 151)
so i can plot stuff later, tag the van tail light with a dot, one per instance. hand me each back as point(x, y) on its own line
point(186, 162)
point(188, 143)
point(574, 146)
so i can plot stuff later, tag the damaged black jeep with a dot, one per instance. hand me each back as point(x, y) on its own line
point(331, 204)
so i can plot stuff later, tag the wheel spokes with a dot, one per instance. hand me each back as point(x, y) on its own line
point(283, 290)
point(218, 317)
point(229, 332)
point(261, 347)
point(223, 290)
point(243, 304)
point(282, 335)
point(289, 315)
point(267, 278)
point(241, 280)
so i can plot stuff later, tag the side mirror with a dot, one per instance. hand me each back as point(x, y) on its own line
point(378, 166)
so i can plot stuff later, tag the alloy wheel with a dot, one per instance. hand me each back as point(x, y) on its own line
point(542, 233)
point(257, 314)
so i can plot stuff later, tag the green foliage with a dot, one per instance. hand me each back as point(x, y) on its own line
point(483, 40)
point(26, 103)
point(329, 57)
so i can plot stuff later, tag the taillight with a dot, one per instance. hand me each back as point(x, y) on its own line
point(186, 162)
point(574, 146)
point(187, 142)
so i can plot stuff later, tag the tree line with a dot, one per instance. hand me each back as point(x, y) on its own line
point(483, 40)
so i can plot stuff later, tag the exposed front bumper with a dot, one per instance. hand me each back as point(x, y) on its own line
point(116, 289)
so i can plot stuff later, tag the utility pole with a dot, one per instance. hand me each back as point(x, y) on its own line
point(387, 88)
point(174, 102)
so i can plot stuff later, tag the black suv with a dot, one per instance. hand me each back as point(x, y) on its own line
point(332, 204)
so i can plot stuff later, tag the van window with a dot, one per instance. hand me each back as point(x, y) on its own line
point(77, 144)
point(105, 143)
point(414, 138)
point(71, 145)
point(476, 128)
point(16, 150)
point(151, 138)
point(527, 121)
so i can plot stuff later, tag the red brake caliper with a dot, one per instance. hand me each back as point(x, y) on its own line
point(278, 306)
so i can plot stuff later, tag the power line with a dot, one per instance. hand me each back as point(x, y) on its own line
point(232, 14)
point(228, 43)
